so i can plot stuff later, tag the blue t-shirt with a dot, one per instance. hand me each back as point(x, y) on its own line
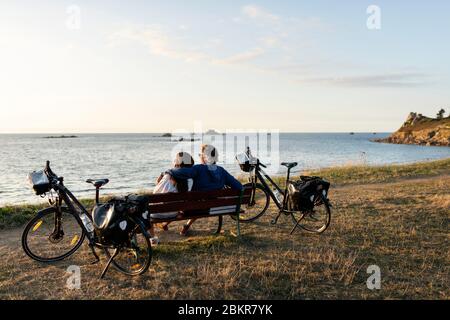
point(206, 177)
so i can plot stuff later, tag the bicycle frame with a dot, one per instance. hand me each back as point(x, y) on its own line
point(64, 195)
point(265, 180)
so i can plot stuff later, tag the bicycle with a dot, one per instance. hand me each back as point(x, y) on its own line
point(58, 231)
point(315, 220)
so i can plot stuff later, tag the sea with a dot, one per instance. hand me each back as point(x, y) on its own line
point(132, 162)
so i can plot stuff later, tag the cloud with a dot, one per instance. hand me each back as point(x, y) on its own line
point(241, 57)
point(256, 12)
point(406, 79)
point(269, 41)
point(157, 41)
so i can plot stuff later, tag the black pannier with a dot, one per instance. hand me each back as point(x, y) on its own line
point(140, 207)
point(38, 180)
point(114, 220)
point(306, 193)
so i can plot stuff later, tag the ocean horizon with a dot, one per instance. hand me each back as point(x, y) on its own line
point(132, 161)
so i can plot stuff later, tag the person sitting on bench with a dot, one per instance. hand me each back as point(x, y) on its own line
point(207, 176)
point(165, 184)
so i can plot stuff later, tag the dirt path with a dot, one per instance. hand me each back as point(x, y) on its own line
point(401, 226)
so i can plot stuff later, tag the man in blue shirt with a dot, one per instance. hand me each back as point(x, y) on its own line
point(207, 176)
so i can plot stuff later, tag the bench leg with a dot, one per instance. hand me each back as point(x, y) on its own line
point(219, 228)
point(238, 225)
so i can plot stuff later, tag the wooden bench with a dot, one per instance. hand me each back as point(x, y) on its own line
point(199, 205)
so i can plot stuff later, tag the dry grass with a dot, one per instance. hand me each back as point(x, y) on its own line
point(401, 226)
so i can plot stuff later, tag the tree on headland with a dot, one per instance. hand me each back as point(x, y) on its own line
point(440, 114)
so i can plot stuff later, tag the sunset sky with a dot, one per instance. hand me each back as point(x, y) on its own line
point(157, 66)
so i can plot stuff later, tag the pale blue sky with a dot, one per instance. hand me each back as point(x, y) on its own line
point(154, 66)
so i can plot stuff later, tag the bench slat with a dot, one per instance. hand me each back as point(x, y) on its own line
point(194, 195)
point(196, 216)
point(191, 196)
point(195, 205)
point(189, 205)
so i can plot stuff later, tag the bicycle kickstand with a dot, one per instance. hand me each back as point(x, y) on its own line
point(275, 220)
point(296, 225)
point(116, 251)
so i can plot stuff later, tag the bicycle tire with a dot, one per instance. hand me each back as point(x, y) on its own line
point(324, 227)
point(265, 198)
point(33, 222)
point(145, 266)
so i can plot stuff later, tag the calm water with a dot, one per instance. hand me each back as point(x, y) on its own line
point(133, 161)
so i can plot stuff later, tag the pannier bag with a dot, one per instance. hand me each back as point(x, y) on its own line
point(246, 163)
point(306, 193)
point(139, 207)
point(38, 180)
point(113, 222)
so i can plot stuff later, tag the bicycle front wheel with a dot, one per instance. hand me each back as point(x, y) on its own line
point(316, 220)
point(51, 236)
point(259, 202)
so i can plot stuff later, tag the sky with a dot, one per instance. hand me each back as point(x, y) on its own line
point(161, 66)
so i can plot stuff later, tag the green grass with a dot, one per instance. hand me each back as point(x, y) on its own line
point(365, 174)
point(378, 174)
point(14, 216)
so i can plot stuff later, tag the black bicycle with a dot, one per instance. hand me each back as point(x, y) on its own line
point(314, 220)
point(57, 232)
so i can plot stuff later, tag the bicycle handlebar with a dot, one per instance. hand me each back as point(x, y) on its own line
point(49, 171)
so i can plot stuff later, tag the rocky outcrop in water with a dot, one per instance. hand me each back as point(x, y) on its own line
point(421, 130)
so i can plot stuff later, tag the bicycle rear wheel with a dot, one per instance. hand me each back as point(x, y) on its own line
point(259, 202)
point(316, 220)
point(134, 258)
point(43, 241)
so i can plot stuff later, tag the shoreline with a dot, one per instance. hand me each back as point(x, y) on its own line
point(14, 215)
point(279, 178)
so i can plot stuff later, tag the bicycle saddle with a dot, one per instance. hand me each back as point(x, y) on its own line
point(289, 165)
point(98, 183)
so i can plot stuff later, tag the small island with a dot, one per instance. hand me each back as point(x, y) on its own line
point(188, 139)
point(211, 132)
point(60, 137)
point(167, 135)
point(422, 130)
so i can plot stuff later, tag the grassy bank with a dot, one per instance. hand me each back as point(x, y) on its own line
point(13, 216)
point(389, 219)
point(376, 174)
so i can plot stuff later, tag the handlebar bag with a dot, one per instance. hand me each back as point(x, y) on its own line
point(38, 180)
point(246, 163)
